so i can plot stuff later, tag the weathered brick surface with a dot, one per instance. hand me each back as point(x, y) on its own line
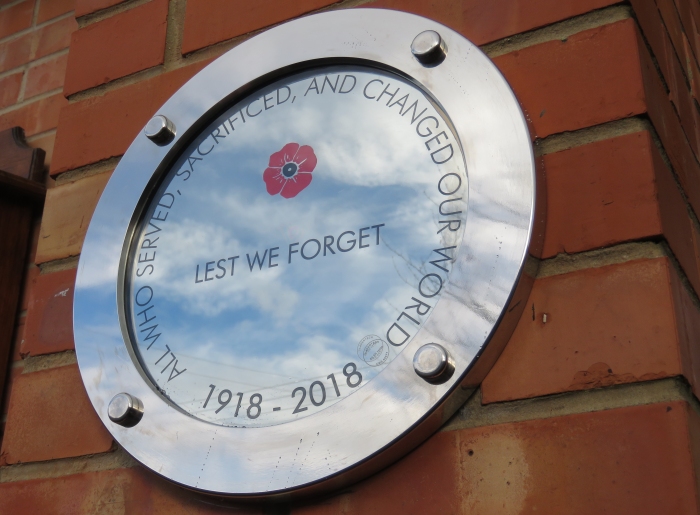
point(113, 492)
point(623, 191)
point(16, 18)
point(210, 21)
point(615, 194)
point(50, 9)
point(54, 37)
point(48, 326)
point(670, 131)
point(15, 52)
point(50, 417)
point(46, 76)
point(9, 89)
point(36, 44)
point(83, 7)
point(81, 137)
point(67, 212)
point(689, 12)
point(688, 322)
point(630, 460)
point(678, 228)
point(592, 77)
point(676, 62)
point(694, 431)
point(117, 46)
point(35, 117)
point(605, 326)
point(485, 21)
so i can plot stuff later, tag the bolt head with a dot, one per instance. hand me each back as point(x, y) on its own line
point(160, 130)
point(125, 410)
point(433, 363)
point(429, 48)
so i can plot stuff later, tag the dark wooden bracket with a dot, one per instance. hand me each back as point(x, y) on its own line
point(18, 158)
point(22, 193)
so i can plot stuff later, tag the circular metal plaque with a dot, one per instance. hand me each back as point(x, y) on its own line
point(309, 257)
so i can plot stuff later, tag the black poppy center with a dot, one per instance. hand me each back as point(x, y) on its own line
point(289, 169)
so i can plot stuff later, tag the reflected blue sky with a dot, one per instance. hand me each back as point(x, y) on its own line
point(270, 330)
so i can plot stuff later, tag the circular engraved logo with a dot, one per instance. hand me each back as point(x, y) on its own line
point(373, 350)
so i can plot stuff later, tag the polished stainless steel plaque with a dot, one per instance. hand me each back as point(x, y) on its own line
point(311, 255)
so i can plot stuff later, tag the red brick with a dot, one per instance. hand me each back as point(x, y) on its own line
point(484, 21)
point(689, 11)
point(9, 89)
point(425, 481)
point(592, 77)
point(51, 417)
point(670, 131)
point(82, 137)
point(50, 9)
point(600, 194)
point(605, 326)
point(210, 21)
point(83, 7)
point(16, 18)
point(676, 72)
point(678, 228)
point(672, 23)
point(131, 491)
point(693, 70)
point(67, 212)
point(688, 321)
point(630, 460)
point(649, 21)
point(35, 117)
point(55, 37)
point(118, 46)
point(16, 52)
point(633, 460)
point(49, 315)
point(694, 431)
point(46, 76)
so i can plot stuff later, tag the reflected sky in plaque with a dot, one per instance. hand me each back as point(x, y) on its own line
point(296, 246)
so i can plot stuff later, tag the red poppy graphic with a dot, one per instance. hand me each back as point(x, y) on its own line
point(290, 170)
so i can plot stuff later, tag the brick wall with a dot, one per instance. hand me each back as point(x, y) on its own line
point(592, 409)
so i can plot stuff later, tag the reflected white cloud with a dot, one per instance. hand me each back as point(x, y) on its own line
point(285, 322)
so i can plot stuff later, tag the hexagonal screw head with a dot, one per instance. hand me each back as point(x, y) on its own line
point(429, 48)
point(125, 410)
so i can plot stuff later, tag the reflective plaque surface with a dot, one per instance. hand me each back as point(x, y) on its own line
point(296, 247)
